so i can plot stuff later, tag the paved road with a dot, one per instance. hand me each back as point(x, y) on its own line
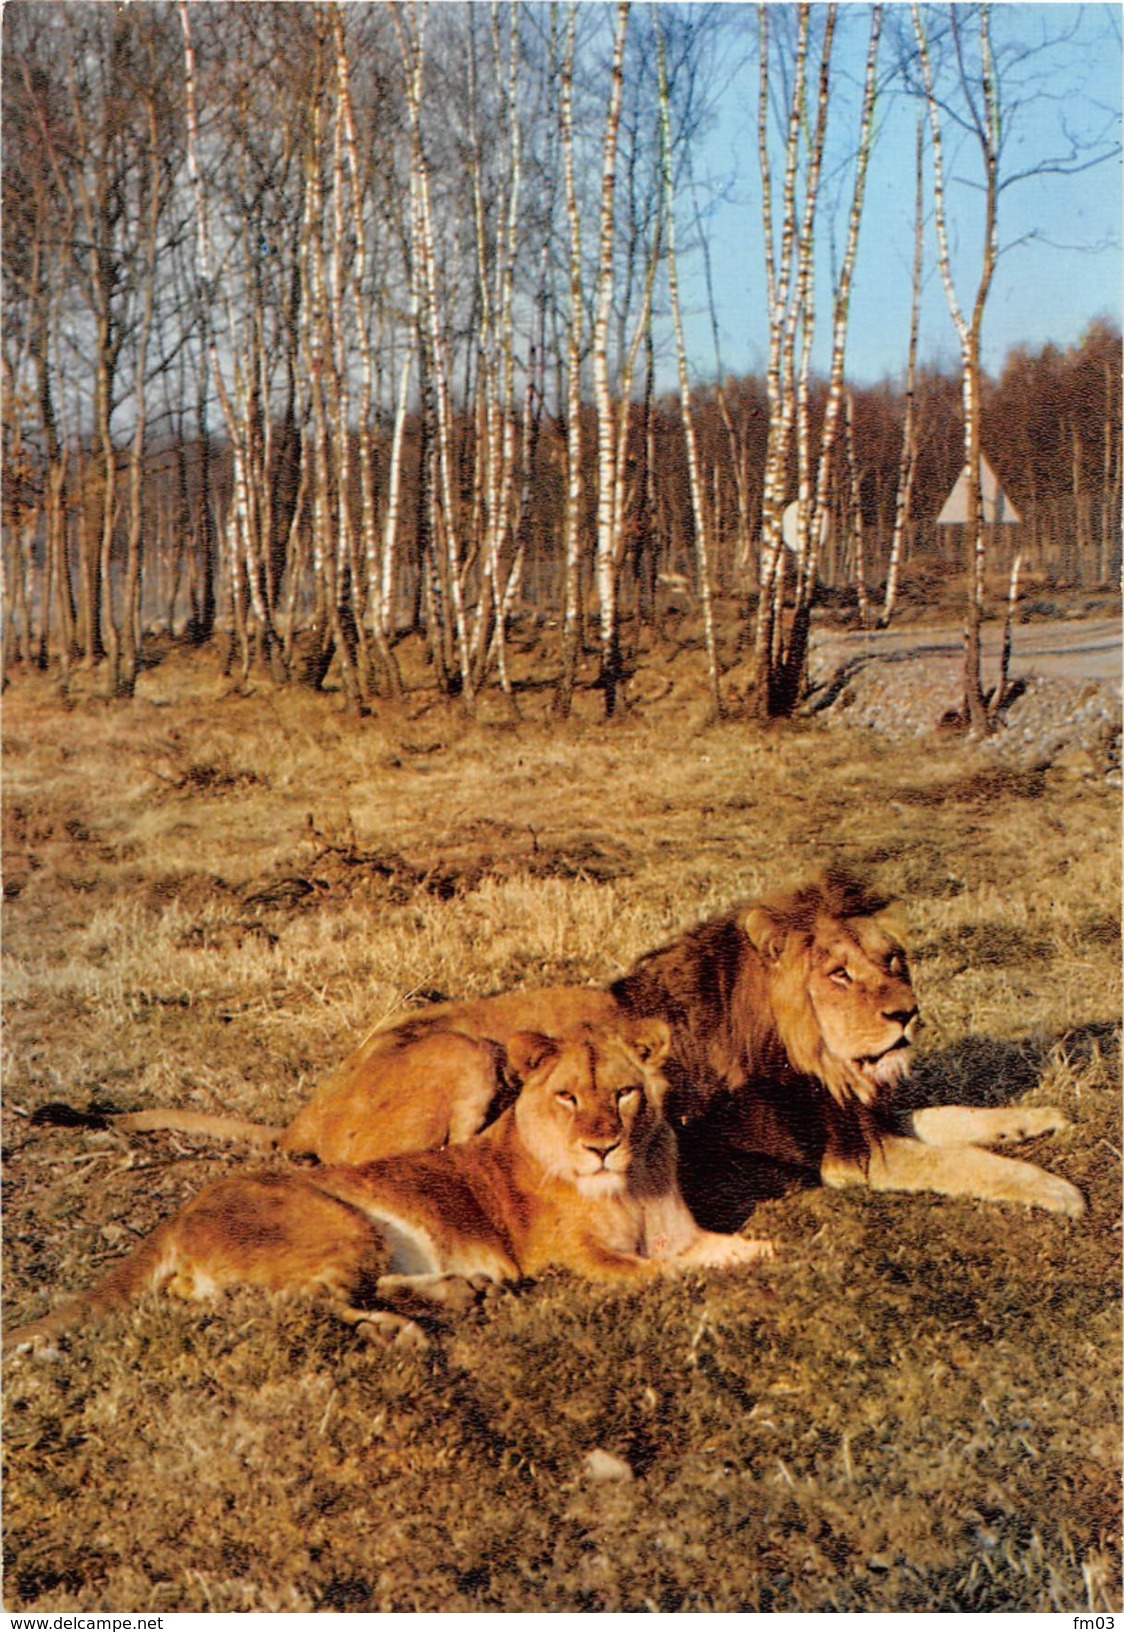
point(1070, 649)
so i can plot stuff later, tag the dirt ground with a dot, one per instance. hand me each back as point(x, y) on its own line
point(212, 892)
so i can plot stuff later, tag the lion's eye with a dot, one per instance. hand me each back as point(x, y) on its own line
point(840, 976)
point(566, 1099)
point(896, 964)
point(628, 1093)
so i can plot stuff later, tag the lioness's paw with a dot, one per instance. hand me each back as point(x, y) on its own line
point(454, 1293)
point(755, 1248)
point(728, 1251)
point(392, 1331)
point(486, 1288)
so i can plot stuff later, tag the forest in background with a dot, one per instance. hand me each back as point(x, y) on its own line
point(327, 324)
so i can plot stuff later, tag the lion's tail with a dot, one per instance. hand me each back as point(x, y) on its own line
point(57, 1115)
point(146, 1268)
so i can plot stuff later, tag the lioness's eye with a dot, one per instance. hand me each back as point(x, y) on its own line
point(897, 964)
point(566, 1099)
point(628, 1093)
point(839, 976)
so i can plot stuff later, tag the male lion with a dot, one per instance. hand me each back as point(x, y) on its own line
point(792, 1019)
point(580, 1173)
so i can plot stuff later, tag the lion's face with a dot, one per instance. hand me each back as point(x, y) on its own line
point(860, 992)
point(843, 1001)
point(589, 1104)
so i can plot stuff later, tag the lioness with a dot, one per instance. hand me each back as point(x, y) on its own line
point(580, 1173)
point(792, 1020)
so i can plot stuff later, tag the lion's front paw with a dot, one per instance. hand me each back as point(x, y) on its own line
point(1029, 1121)
point(1057, 1195)
point(992, 1125)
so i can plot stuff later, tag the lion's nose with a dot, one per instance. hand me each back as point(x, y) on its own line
point(601, 1147)
point(903, 1017)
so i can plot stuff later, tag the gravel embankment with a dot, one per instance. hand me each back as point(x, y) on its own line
point(1073, 725)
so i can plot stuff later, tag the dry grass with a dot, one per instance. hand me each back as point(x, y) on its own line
point(924, 1415)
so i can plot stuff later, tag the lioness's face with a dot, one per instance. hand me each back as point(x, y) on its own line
point(859, 987)
point(587, 1111)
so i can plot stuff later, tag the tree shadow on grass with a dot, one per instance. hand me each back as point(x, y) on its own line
point(723, 1184)
point(986, 1071)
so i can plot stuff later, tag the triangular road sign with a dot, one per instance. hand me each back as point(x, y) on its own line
point(995, 504)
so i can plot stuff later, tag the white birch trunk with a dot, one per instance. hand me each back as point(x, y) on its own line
point(907, 467)
point(348, 585)
point(779, 269)
point(327, 555)
point(855, 512)
point(968, 330)
point(373, 614)
point(571, 533)
point(698, 501)
point(1003, 685)
point(495, 282)
point(607, 497)
point(385, 611)
point(803, 313)
point(131, 634)
point(239, 526)
point(411, 40)
point(842, 307)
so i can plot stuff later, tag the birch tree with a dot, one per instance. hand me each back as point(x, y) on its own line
point(815, 518)
point(987, 99)
point(789, 285)
point(698, 501)
point(370, 581)
point(151, 198)
point(495, 264)
point(780, 651)
point(982, 103)
point(410, 24)
point(572, 512)
point(780, 274)
point(39, 226)
point(854, 511)
point(607, 489)
point(240, 395)
point(907, 465)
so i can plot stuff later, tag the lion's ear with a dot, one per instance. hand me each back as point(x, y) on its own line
point(527, 1050)
point(651, 1040)
point(764, 932)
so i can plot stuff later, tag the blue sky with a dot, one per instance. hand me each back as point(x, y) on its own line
point(1064, 268)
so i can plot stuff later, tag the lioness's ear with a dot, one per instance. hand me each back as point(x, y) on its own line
point(764, 932)
point(527, 1050)
point(651, 1040)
